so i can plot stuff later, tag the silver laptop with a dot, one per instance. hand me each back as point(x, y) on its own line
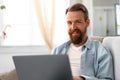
point(43, 67)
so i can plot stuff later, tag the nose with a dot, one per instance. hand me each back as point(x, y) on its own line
point(74, 26)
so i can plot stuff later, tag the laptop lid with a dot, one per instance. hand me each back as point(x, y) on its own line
point(43, 67)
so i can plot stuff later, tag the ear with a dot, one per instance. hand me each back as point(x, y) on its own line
point(87, 22)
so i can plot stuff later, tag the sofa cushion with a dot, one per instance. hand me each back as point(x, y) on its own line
point(9, 75)
point(98, 38)
point(113, 44)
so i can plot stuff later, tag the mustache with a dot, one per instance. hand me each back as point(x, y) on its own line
point(75, 30)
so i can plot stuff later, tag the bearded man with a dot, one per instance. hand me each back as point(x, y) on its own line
point(89, 59)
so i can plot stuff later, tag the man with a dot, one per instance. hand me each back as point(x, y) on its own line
point(89, 59)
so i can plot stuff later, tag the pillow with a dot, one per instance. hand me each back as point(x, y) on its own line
point(12, 75)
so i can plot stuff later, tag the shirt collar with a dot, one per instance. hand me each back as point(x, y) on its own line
point(87, 44)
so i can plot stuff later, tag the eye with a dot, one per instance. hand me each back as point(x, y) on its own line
point(78, 21)
point(69, 22)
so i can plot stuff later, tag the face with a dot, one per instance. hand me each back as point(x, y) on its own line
point(77, 26)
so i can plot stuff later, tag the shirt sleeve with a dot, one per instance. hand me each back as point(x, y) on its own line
point(105, 69)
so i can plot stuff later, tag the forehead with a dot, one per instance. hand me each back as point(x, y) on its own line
point(74, 15)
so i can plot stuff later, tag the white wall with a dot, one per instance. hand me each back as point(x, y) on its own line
point(111, 22)
point(105, 2)
point(104, 21)
point(75, 1)
point(99, 22)
point(105, 9)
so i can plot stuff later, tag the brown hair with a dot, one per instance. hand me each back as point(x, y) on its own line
point(78, 7)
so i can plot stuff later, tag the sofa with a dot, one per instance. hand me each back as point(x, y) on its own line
point(112, 43)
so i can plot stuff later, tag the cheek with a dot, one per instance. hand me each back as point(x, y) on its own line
point(68, 29)
point(82, 27)
point(84, 30)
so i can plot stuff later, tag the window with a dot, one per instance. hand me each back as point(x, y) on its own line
point(117, 11)
point(24, 28)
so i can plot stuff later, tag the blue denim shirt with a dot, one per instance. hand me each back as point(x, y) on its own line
point(96, 60)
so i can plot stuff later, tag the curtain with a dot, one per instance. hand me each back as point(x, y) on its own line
point(45, 10)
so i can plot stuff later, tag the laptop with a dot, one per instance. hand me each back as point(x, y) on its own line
point(42, 67)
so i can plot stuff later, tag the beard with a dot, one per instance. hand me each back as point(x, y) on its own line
point(76, 36)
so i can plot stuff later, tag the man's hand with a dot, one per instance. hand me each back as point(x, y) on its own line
point(78, 78)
